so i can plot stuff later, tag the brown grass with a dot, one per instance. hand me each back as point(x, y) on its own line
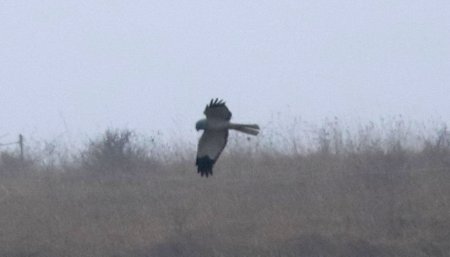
point(336, 198)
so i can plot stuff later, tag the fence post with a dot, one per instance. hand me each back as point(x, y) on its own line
point(21, 146)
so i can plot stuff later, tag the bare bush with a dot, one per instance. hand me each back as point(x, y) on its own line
point(115, 151)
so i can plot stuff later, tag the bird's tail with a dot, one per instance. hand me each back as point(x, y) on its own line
point(251, 129)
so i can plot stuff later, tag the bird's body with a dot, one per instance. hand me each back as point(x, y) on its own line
point(213, 124)
point(215, 135)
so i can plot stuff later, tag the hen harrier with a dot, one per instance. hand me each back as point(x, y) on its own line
point(214, 138)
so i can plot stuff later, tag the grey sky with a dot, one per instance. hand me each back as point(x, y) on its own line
point(79, 67)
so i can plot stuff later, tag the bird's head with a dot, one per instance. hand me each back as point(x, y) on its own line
point(201, 124)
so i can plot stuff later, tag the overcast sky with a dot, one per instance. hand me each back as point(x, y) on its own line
point(75, 68)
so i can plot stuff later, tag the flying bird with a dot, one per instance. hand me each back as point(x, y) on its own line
point(215, 134)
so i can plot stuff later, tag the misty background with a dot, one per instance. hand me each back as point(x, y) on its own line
point(352, 97)
point(71, 69)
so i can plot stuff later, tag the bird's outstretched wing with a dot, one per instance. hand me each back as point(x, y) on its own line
point(210, 146)
point(217, 110)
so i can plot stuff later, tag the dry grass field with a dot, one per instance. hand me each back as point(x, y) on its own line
point(360, 195)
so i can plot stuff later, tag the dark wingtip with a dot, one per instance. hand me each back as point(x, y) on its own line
point(204, 166)
point(216, 102)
